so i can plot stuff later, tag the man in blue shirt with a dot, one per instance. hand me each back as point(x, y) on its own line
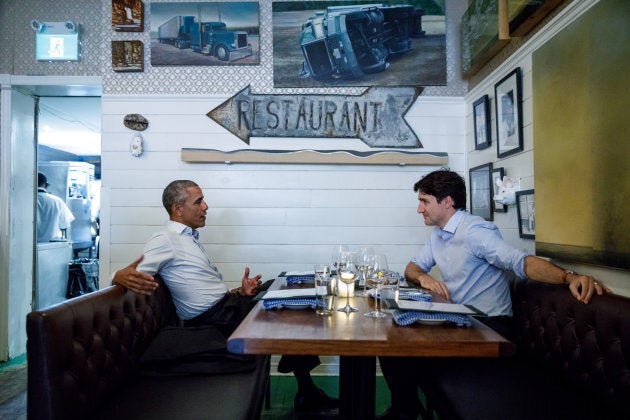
point(474, 264)
point(199, 292)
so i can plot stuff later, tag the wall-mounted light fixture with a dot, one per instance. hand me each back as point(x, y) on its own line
point(56, 41)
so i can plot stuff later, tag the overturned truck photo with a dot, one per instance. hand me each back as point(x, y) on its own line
point(347, 42)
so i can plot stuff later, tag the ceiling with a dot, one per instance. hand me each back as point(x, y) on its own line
point(71, 124)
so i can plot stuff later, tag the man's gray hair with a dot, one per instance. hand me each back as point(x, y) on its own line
point(175, 193)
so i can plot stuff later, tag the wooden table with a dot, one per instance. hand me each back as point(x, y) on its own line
point(358, 340)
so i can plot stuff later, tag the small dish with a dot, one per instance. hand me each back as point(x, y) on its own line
point(296, 307)
point(431, 321)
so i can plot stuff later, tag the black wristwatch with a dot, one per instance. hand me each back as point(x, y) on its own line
point(564, 276)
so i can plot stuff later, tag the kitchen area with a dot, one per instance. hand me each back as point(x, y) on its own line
point(68, 155)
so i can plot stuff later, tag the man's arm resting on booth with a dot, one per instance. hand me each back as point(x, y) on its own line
point(134, 280)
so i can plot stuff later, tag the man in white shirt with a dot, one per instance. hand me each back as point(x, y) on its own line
point(197, 287)
point(53, 215)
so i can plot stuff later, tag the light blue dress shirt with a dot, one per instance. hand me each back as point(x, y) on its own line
point(472, 257)
point(195, 284)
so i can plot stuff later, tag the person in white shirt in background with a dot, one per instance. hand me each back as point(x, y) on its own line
point(53, 215)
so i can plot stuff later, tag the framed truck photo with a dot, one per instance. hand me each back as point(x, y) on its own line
point(386, 43)
point(205, 34)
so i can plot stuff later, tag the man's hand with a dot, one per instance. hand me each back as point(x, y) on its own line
point(434, 286)
point(582, 287)
point(134, 280)
point(249, 286)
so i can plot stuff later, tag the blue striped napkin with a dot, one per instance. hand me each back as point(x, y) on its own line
point(283, 303)
point(416, 295)
point(409, 317)
point(294, 280)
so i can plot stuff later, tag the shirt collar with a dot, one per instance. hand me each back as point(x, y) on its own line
point(182, 229)
point(451, 225)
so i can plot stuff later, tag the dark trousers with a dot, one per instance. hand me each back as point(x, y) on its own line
point(229, 312)
point(405, 374)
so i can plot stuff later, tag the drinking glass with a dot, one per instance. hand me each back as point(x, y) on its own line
point(324, 290)
point(336, 254)
point(377, 277)
point(390, 290)
point(347, 273)
point(365, 262)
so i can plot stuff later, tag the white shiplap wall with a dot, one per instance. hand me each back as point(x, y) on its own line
point(272, 217)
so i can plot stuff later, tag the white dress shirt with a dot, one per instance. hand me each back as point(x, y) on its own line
point(176, 254)
point(53, 215)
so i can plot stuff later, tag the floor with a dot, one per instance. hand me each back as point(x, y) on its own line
point(13, 389)
point(283, 388)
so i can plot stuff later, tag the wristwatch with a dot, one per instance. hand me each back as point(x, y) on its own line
point(564, 276)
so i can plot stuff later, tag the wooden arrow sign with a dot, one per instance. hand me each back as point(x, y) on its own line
point(376, 116)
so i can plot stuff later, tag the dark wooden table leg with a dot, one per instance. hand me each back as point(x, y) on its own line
point(357, 387)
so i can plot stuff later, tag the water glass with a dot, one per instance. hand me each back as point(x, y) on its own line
point(324, 290)
point(390, 290)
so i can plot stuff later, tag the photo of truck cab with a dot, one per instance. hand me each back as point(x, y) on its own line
point(351, 41)
point(209, 38)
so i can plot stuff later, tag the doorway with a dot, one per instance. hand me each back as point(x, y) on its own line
point(18, 175)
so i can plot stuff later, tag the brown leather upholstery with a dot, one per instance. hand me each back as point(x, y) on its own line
point(573, 362)
point(83, 357)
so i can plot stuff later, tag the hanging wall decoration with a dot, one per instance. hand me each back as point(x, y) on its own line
point(127, 15)
point(340, 43)
point(205, 34)
point(127, 56)
point(376, 116)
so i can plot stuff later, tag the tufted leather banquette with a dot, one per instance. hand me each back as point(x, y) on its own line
point(83, 357)
point(573, 362)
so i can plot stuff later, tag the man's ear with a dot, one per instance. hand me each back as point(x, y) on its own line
point(176, 210)
point(448, 201)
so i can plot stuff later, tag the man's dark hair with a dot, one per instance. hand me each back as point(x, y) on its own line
point(441, 184)
point(42, 181)
point(175, 193)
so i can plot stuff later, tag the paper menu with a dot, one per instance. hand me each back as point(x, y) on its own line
point(289, 293)
point(453, 308)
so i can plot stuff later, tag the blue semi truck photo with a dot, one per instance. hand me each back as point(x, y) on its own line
point(209, 38)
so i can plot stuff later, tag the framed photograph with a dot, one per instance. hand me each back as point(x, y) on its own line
point(127, 15)
point(127, 56)
point(371, 44)
point(481, 118)
point(526, 214)
point(497, 173)
point(508, 95)
point(205, 33)
point(481, 191)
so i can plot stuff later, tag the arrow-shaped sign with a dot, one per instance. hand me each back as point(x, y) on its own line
point(376, 116)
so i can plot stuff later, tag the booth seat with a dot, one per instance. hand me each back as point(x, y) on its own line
point(84, 362)
point(572, 362)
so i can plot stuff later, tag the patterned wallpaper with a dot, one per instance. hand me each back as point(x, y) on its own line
point(94, 18)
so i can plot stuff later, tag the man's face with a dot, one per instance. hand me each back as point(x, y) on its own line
point(435, 214)
point(193, 211)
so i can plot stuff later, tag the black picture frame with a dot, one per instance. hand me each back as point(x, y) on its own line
point(497, 173)
point(526, 214)
point(480, 179)
point(481, 121)
point(127, 56)
point(508, 95)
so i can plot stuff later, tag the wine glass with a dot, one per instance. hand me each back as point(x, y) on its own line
point(347, 273)
point(336, 254)
point(377, 277)
point(365, 261)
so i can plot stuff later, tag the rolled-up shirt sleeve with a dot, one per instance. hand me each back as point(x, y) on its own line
point(487, 243)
